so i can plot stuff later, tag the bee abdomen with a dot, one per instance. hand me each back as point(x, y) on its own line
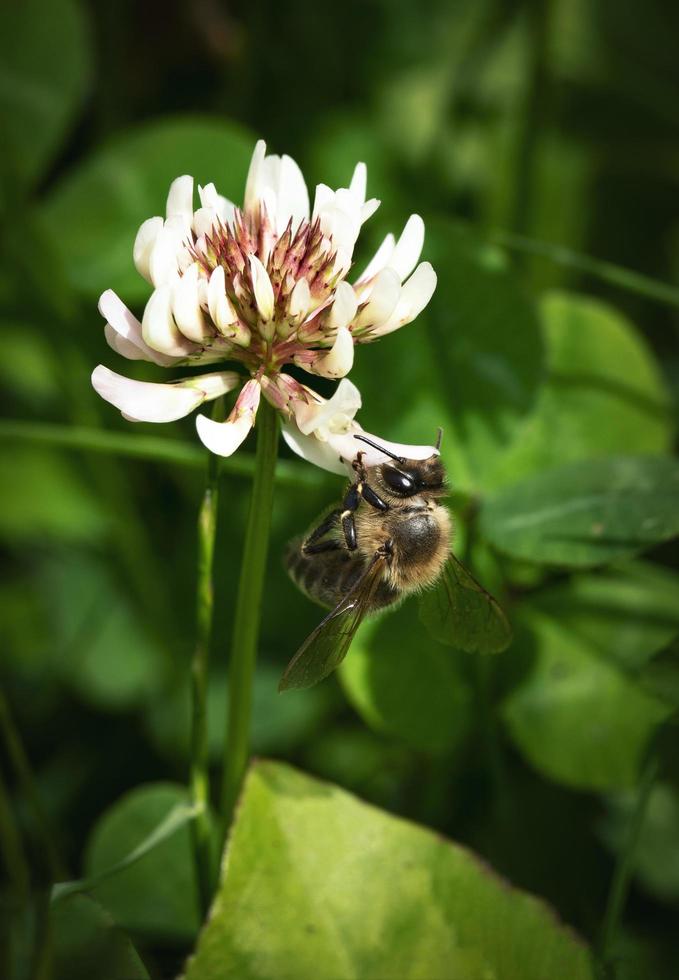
point(324, 577)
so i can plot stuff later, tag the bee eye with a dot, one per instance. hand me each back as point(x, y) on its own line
point(399, 482)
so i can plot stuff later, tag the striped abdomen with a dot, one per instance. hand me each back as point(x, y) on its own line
point(327, 577)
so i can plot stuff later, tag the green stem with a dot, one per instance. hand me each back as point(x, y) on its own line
point(248, 609)
point(200, 774)
point(624, 868)
point(22, 767)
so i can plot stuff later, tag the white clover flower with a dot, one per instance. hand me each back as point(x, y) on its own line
point(263, 286)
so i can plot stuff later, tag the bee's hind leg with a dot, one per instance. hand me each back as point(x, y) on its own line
point(312, 544)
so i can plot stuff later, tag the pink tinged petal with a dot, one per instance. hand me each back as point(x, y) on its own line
point(143, 245)
point(158, 327)
point(340, 358)
point(224, 438)
point(300, 300)
point(141, 401)
point(359, 182)
point(180, 199)
point(121, 346)
point(408, 247)
point(382, 299)
point(415, 294)
point(343, 309)
point(188, 315)
point(128, 328)
point(379, 259)
point(262, 288)
point(342, 407)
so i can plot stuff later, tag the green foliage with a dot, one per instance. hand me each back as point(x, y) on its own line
point(157, 895)
point(46, 72)
point(317, 884)
point(87, 943)
point(587, 513)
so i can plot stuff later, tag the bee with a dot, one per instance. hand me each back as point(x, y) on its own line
point(390, 537)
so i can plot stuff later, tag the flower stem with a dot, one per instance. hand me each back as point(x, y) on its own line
point(624, 868)
point(200, 774)
point(248, 609)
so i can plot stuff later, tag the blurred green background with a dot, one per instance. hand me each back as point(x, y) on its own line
point(512, 126)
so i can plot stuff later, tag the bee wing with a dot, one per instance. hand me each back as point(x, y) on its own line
point(460, 613)
point(327, 646)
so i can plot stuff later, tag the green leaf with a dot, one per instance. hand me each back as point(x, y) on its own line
point(95, 212)
point(487, 346)
point(628, 613)
point(157, 895)
point(87, 944)
point(317, 884)
point(603, 394)
point(587, 513)
point(403, 682)
point(458, 612)
point(575, 717)
point(45, 58)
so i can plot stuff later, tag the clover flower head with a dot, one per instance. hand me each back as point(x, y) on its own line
point(262, 287)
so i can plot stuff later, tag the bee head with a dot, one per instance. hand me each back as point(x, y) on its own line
point(407, 477)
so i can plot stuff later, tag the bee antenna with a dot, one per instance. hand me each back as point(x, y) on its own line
point(381, 449)
point(439, 437)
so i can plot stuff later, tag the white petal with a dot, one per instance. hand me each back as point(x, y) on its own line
point(158, 327)
point(180, 199)
point(262, 288)
point(142, 401)
point(382, 299)
point(222, 438)
point(254, 175)
point(369, 208)
point(221, 310)
point(186, 306)
point(164, 255)
point(213, 385)
point(128, 327)
point(323, 197)
point(293, 196)
point(340, 358)
point(205, 220)
point(300, 299)
point(359, 182)
point(121, 346)
point(379, 259)
point(373, 457)
point(143, 245)
point(321, 454)
point(343, 405)
point(408, 247)
point(339, 227)
point(343, 309)
point(415, 294)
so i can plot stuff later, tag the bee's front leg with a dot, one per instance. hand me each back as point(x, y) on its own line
point(360, 490)
point(312, 544)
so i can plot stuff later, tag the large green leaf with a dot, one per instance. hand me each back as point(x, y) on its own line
point(575, 717)
point(487, 346)
point(317, 884)
point(45, 58)
point(603, 393)
point(403, 682)
point(157, 895)
point(94, 214)
point(628, 613)
point(588, 513)
point(87, 943)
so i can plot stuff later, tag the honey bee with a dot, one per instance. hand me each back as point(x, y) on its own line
point(389, 538)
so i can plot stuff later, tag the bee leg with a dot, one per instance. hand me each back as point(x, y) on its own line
point(312, 544)
point(373, 498)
